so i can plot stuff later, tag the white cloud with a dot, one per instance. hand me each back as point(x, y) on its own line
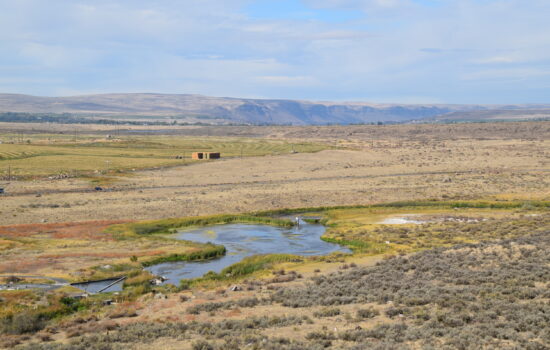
point(57, 56)
point(359, 4)
point(497, 60)
point(506, 74)
point(392, 48)
point(287, 80)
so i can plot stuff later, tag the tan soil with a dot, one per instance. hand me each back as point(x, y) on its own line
point(388, 171)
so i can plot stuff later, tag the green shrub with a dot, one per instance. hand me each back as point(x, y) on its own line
point(202, 345)
point(164, 226)
point(327, 312)
point(209, 251)
point(23, 322)
point(367, 313)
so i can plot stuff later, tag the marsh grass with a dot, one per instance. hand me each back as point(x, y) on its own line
point(355, 226)
point(369, 239)
point(208, 251)
point(152, 230)
point(480, 204)
point(356, 245)
point(166, 226)
point(258, 262)
point(365, 237)
point(243, 268)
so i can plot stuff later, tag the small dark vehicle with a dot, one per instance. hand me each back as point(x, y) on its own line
point(1, 190)
point(98, 188)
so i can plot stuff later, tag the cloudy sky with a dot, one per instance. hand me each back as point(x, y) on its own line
point(444, 51)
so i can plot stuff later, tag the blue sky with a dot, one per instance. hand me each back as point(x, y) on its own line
point(409, 51)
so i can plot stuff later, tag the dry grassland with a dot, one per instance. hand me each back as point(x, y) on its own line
point(502, 166)
point(36, 156)
point(491, 289)
point(71, 250)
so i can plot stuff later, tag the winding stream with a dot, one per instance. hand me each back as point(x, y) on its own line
point(243, 240)
point(240, 241)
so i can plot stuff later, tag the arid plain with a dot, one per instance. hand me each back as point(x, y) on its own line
point(367, 164)
point(475, 254)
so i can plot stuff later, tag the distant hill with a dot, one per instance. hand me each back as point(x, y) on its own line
point(513, 114)
point(224, 110)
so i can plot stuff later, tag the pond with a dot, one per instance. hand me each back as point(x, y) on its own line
point(243, 240)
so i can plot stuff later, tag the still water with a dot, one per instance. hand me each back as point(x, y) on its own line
point(242, 240)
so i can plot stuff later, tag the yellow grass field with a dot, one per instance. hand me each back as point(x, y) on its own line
point(46, 155)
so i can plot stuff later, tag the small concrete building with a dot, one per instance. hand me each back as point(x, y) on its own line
point(206, 155)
